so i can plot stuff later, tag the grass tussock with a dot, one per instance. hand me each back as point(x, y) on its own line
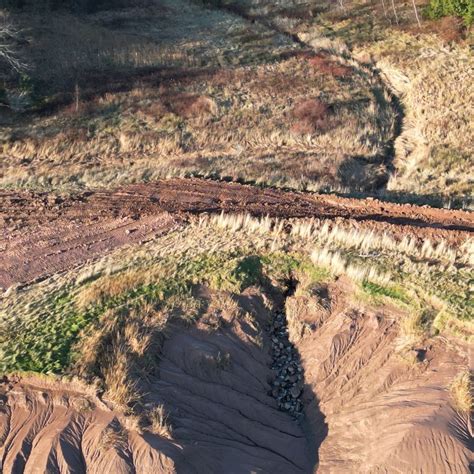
point(114, 437)
point(223, 309)
point(160, 424)
point(462, 391)
point(311, 116)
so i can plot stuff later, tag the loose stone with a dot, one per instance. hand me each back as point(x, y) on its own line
point(287, 385)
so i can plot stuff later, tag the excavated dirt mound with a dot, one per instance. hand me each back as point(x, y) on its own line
point(43, 233)
point(366, 409)
point(384, 411)
point(214, 387)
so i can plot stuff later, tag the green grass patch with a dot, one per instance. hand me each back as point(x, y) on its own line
point(283, 266)
point(44, 344)
point(378, 292)
point(41, 344)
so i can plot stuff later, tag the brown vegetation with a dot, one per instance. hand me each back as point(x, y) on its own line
point(312, 116)
point(325, 65)
point(141, 108)
point(451, 29)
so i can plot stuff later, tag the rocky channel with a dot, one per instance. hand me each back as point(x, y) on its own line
point(287, 386)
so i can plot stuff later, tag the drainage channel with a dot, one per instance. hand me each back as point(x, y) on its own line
point(287, 386)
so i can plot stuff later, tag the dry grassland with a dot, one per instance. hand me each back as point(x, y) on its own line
point(201, 92)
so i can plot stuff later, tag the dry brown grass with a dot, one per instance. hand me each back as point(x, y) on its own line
point(238, 122)
point(160, 424)
point(109, 287)
point(451, 29)
point(462, 391)
point(114, 350)
point(114, 437)
point(429, 69)
point(435, 149)
point(120, 387)
point(222, 310)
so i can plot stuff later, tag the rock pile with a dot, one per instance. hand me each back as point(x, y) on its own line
point(287, 387)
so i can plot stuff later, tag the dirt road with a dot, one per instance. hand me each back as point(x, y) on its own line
point(44, 233)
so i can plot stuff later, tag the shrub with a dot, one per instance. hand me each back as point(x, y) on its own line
point(311, 116)
point(327, 66)
point(451, 29)
point(461, 8)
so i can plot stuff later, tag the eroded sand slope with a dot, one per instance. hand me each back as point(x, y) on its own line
point(366, 408)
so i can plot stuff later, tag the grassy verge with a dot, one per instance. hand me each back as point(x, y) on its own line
point(40, 327)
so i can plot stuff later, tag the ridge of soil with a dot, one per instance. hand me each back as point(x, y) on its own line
point(214, 384)
point(44, 233)
point(370, 407)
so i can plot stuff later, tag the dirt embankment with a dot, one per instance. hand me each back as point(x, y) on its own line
point(385, 410)
point(43, 233)
point(366, 409)
point(212, 384)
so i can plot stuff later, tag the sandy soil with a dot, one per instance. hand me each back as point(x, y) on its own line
point(43, 234)
point(366, 409)
point(384, 410)
point(222, 418)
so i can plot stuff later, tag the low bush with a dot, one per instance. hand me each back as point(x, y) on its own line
point(451, 29)
point(460, 8)
point(327, 66)
point(311, 116)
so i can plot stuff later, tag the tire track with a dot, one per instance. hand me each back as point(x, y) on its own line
point(43, 233)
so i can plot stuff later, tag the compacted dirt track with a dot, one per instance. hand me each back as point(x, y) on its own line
point(45, 233)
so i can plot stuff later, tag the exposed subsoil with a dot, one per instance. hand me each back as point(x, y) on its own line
point(43, 233)
point(213, 383)
point(365, 408)
point(370, 406)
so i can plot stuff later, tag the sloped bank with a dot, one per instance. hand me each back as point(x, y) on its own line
point(207, 407)
point(209, 404)
point(385, 410)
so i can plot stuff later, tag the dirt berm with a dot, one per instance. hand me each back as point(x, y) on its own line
point(366, 409)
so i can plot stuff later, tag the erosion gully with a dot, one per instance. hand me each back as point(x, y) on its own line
point(287, 386)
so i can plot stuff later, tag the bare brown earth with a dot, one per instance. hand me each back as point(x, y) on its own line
point(43, 233)
point(366, 408)
point(222, 418)
point(384, 410)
